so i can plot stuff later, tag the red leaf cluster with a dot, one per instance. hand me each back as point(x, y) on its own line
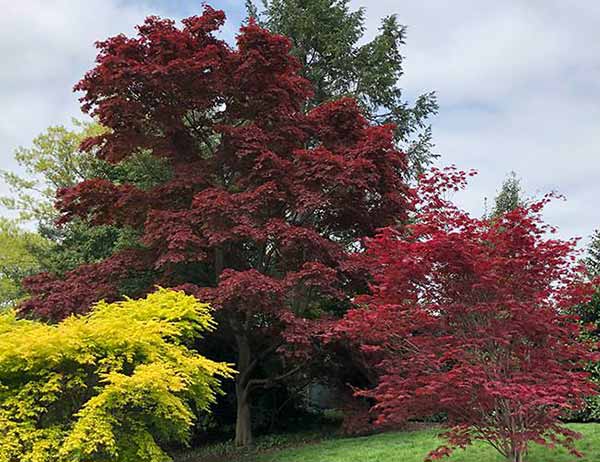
point(55, 298)
point(257, 184)
point(101, 202)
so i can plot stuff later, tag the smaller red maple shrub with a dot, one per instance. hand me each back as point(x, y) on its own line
point(470, 317)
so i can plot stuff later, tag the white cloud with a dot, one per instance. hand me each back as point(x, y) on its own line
point(47, 46)
point(519, 87)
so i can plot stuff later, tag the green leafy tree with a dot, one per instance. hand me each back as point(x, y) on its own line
point(327, 37)
point(590, 315)
point(117, 385)
point(18, 259)
point(53, 162)
point(510, 196)
point(592, 262)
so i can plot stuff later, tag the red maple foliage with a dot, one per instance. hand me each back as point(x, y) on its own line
point(265, 202)
point(470, 317)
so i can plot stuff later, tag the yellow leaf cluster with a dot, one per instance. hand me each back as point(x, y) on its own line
point(114, 385)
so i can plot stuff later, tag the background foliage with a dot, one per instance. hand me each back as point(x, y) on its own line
point(18, 259)
point(328, 39)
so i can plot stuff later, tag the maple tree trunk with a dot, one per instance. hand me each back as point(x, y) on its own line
point(517, 455)
point(218, 263)
point(243, 423)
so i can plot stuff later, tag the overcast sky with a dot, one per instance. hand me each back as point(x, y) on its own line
point(518, 83)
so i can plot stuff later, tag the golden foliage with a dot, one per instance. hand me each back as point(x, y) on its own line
point(114, 385)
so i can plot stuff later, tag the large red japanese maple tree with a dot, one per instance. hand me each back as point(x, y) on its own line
point(265, 202)
point(470, 317)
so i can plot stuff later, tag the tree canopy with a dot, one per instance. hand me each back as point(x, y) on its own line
point(265, 201)
point(328, 39)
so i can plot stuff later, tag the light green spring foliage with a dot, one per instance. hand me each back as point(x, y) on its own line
point(113, 386)
point(52, 162)
point(18, 250)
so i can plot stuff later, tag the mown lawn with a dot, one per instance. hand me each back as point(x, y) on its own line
point(414, 446)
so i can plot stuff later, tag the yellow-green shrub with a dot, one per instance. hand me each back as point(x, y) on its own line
point(115, 385)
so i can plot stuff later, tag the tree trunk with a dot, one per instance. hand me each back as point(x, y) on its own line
point(219, 263)
point(517, 455)
point(243, 423)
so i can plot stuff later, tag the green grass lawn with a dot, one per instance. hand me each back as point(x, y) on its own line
point(414, 446)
